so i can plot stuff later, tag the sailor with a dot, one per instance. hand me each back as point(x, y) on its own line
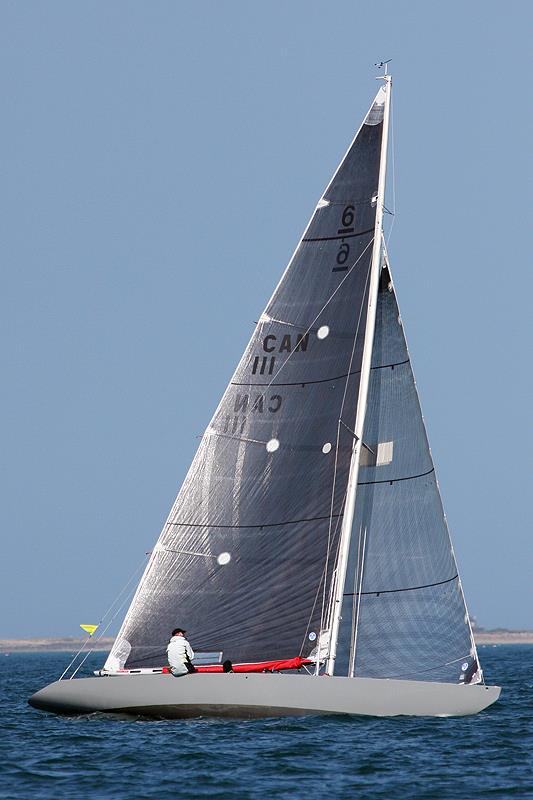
point(180, 654)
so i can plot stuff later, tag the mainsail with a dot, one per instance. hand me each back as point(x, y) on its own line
point(247, 554)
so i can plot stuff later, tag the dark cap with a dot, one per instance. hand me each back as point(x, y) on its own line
point(178, 630)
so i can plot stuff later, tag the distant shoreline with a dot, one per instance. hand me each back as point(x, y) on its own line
point(66, 644)
point(503, 637)
point(71, 644)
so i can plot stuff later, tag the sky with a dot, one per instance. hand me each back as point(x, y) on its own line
point(159, 163)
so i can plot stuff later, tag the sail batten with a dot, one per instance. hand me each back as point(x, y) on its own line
point(322, 380)
point(377, 592)
point(256, 525)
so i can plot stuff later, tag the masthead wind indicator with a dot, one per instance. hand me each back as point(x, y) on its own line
point(381, 64)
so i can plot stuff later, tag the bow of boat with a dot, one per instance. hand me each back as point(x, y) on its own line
point(79, 696)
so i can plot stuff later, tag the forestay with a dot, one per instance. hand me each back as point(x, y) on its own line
point(247, 552)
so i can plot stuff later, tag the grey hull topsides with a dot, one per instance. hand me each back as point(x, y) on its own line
point(261, 695)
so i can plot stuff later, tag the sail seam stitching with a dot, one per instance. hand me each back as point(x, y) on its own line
point(408, 589)
point(265, 525)
point(333, 238)
point(395, 480)
point(322, 380)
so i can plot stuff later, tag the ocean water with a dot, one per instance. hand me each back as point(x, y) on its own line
point(485, 756)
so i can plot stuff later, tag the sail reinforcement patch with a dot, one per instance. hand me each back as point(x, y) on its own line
point(384, 453)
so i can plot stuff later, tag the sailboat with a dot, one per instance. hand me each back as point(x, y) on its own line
point(308, 546)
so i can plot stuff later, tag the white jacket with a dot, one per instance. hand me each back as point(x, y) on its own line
point(178, 650)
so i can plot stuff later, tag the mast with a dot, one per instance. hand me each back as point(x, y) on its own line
point(351, 490)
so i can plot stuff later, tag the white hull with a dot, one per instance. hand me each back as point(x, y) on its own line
point(261, 695)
